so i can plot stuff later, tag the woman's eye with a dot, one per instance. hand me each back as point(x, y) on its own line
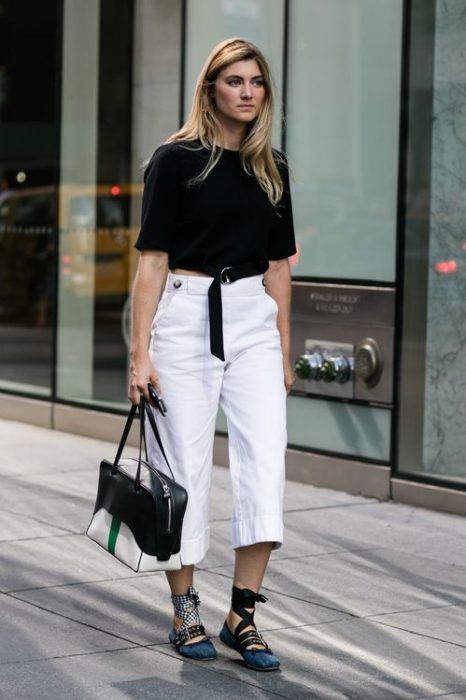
point(258, 83)
point(234, 82)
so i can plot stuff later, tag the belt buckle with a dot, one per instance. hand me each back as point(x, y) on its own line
point(224, 279)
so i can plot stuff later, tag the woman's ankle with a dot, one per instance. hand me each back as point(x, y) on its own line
point(186, 613)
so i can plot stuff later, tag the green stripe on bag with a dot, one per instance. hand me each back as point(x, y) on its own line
point(113, 534)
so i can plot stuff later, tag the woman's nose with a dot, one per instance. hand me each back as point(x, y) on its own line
point(246, 92)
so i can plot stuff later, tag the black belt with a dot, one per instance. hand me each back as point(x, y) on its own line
point(226, 276)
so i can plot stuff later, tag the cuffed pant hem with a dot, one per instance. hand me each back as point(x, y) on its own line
point(193, 551)
point(265, 528)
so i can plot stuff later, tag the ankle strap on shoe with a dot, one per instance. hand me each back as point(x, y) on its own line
point(185, 634)
point(242, 598)
point(245, 598)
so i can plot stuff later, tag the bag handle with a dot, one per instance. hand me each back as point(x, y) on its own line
point(147, 410)
point(143, 409)
point(124, 437)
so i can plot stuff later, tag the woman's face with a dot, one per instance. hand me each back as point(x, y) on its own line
point(239, 91)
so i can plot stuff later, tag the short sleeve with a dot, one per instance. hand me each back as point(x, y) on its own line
point(159, 201)
point(282, 242)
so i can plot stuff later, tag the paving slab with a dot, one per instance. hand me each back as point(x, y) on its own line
point(297, 543)
point(15, 527)
point(447, 623)
point(298, 497)
point(80, 483)
point(402, 569)
point(442, 548)
point(139, 609)
point(55, 560)
point(367, 582)
point(28, 449)
point(29, 633)
point(383, 524)
point(139, 674)
point(70, 512)
point(354, 659)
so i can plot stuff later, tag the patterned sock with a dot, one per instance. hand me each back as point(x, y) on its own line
point(186, 607)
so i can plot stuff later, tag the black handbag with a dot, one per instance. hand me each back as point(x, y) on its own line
point(139, 510)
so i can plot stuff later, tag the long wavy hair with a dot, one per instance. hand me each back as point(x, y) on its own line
point(257, 157)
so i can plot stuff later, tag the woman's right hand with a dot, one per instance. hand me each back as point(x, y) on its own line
point(141, 373)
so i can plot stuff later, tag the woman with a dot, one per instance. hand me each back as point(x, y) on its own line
point(216, 228)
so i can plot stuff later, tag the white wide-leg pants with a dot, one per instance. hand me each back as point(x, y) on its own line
point(249, 386)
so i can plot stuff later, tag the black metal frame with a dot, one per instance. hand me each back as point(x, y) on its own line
point(401, 222)
point(430, 480)
point(337, 399)
point(183, 17)
point(54, 319)
point(284, 105)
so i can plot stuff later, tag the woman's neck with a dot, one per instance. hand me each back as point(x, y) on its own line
point(233, 135)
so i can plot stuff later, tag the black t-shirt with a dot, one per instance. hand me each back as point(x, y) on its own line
point(224, 220)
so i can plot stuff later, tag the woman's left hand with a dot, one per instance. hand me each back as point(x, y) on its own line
point(289, 375)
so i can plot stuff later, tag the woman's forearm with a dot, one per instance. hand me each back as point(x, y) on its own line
point(148, 286)
point(147, 290)
point(278, 285)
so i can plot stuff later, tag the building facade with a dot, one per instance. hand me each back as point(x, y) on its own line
point(371, 112)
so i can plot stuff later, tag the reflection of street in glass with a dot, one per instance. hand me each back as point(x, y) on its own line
point(27, 261)
point(85, 229)
point(95, 242)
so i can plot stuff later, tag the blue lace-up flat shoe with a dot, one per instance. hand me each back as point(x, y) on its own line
point(186, 608)
point(241, 639)
point(200, 651)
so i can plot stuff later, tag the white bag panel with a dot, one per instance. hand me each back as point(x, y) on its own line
point(149, 563)
point(126, 547)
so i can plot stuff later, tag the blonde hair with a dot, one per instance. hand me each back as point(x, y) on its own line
point(257, 156)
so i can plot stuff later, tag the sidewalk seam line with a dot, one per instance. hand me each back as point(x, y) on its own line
point(419, 634)
point(72, 619)
point(293, 597)
point(412, 610)
point(302, 556)
point(442, 695)
point(38, 520)
point(66, 656)
point(82, 583)
point(220, 673)
point(311, 510)
point(39, 537)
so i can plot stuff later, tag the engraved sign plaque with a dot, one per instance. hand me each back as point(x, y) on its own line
point(344, 315)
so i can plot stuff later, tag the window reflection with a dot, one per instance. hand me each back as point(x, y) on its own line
point(28, 197)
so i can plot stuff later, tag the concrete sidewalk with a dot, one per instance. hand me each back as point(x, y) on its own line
point(366, 599)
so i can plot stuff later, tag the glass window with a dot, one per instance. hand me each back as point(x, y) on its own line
point(342, 135)
point(120, 99)
point(211, 21)
point(29, 140)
